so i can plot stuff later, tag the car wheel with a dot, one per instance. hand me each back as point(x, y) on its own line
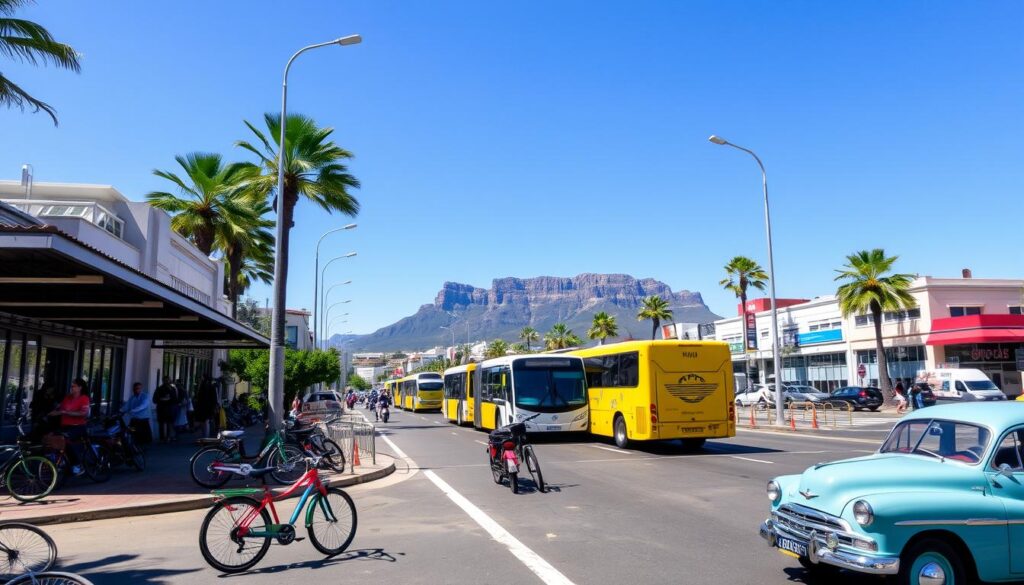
point(931, 561)
point(873, 408)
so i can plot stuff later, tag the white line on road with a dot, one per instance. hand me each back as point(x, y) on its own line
point(454, 433)
point(612, 449)
point(435, 422)
point(754, 460)
point(482, 443)
point(547, 573)
point(811, 436)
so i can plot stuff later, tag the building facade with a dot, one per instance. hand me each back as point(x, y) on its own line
point(958, 322)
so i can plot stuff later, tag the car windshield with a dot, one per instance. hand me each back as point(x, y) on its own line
point(980, 385)
point(549, 385)
point(941, 439)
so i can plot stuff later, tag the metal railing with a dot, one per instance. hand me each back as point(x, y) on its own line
point(819, 413)
point(189, 290)
point(348, 432)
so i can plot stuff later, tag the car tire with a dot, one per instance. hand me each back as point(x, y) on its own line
point(931, 553)
point(873, 408)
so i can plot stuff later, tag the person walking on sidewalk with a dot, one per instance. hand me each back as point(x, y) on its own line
point(165, 398)
point(900, 397)
point(137, 410)
point(74, 414)
point(205, 405)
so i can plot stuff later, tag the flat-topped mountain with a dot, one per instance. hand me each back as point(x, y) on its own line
point(513, 303)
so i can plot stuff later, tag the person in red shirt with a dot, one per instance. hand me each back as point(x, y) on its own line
point(74, 414)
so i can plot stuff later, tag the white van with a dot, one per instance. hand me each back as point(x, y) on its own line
point(960, 384)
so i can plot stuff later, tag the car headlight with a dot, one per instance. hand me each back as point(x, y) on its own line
point(863, 513)
point(774, 491)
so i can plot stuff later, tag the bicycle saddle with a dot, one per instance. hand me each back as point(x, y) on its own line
point(231, 434)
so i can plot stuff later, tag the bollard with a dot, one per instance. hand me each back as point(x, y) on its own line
point(792, 420)
point(814, 418)
point(753, 419)
point(355, 451)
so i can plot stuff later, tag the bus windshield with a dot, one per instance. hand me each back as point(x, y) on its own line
point(549, 385)
point(431, 385)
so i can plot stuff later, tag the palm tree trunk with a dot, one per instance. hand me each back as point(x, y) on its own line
point(883, 366)
point(234, 270)
point(654, 330)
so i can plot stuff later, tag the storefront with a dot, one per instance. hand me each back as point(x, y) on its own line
point(824, 371)
point(985, 342)
point(903, 362)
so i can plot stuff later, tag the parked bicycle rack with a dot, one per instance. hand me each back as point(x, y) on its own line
point(348, 432)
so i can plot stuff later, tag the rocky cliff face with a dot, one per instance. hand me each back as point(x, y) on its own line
point(513, 303)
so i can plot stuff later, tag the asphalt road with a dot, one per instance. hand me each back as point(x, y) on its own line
point(652, 515)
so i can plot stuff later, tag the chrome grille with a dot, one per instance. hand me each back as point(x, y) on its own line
point(800, 521)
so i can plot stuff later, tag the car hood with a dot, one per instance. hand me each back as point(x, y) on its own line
point(808, 395)
point(831, 486)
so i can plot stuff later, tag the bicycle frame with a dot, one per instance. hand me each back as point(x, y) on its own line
point(310, 481)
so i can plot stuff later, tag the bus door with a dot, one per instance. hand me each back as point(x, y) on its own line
point(468, 405)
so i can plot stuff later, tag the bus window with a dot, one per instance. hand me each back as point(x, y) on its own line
point(628, 372)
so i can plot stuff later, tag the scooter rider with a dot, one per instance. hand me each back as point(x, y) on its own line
point(383, 401)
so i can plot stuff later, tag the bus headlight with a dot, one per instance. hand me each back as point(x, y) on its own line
point(774, 491)
point(580, 416)
point(863, 513)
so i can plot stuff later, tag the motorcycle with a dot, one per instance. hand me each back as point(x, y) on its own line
point(117, 437)
point(385, 412)
point(508, 449)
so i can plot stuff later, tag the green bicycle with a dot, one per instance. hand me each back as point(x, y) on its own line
point(287, 461)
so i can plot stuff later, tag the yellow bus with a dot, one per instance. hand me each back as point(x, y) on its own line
point(659, 390)
point(391, 385)
point(511, 388)
point(458, 394)
point(421, 391)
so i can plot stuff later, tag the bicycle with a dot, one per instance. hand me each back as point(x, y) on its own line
point(24, 549)
point(95, 459)
point(27, 477)
point(237, 531)
point(228, 449)
point(314, 442)
point(50, 578)
point(118, 438)
point(507, 448)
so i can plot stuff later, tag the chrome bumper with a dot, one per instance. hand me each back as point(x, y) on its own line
point(819, 552)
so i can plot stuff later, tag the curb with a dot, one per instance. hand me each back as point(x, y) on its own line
point(196, 503)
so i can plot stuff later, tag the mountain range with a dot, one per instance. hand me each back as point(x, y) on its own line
point(511, 303)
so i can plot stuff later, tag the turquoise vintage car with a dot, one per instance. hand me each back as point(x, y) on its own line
point(940, 503)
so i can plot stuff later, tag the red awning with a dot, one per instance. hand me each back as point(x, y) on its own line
point(992, 335)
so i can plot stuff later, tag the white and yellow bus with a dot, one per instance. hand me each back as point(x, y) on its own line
point(423, 391)
point(459, 400)
point(511, 388)
point(658, 390)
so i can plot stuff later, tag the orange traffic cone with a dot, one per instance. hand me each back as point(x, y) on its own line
point(753, 419)
point(792, 421)
point(814, 418)
point(355, 453)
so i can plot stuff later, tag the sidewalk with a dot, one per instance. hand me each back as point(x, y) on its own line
point(165, 486)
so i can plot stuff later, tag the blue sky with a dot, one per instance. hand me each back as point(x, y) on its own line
point(526, 139)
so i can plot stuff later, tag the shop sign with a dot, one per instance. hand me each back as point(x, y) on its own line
point(736, 347)
point(980, 353)
point(751, 331)
point(826, 336)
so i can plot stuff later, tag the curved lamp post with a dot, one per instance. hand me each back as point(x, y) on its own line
point(316, 269)
point(275, 385)
point(323, 272)
point(327, 295)
point(779, 417)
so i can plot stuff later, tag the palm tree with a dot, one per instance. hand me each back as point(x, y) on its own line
point(529, 334)
point(210, 202)
point(496, 348)
point(313, 168)
point(27, 42)
point(867, 288)
point(603, 327)
point(654, 308)
point(561, 337)
point(741, 273)
point(248, 246)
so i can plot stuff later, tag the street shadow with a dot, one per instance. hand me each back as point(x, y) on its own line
point(823, 576)
point(679, 448)
point(364, 554)
point(102, 571)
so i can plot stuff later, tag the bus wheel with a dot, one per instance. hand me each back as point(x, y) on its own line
point(621, 438)
point(458, 415)
point(693, 444)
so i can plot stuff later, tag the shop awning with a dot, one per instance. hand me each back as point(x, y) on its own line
point(48, 276)
point(977, 329)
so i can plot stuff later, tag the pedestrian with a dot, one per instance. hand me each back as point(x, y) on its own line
point(44, 400)
point(181, 406)
point(74, 414)
point(165, 398)
point(900, 398)
point(205, 405)
point(136, 408)
point(915, 396)
point(296, 407)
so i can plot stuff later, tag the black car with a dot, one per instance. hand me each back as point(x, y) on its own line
point(858, 397)
point(927, 396)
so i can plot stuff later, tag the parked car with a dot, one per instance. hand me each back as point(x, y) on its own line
point(753, 396)
point(965, 384)
point(804, 393)
point(940, 502)
point(323, 401)
point(858, 397)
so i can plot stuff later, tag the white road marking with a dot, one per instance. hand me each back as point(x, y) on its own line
point(814, 436)
point(482, 443)
point(612, 449)
point(454, 433)
point(401, 454)
point(754, 460)
point(547, 573)
point(435, 422)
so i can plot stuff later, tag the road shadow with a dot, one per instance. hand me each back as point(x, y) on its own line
point(363, 554)
point(102, 571)
point(822, 576)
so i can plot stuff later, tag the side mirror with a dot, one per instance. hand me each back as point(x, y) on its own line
point(1005, 470)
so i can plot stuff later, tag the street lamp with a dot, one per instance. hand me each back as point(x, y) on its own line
point(323, 272)
point(275, 385)
point(327, 295)
point(779, 418)
point(327, 313)
point(316, 268)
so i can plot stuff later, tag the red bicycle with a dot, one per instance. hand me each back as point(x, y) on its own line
point(237, 531)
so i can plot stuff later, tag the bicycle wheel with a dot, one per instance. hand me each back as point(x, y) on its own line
point(31, 478)
point(136, 456)
point(333, 456)
point(332, 522)
point(289, 464)
point(23, 549)
point(534, 466)
point(219, 542)
point(51, 578)
point(96, 462)
point(201, 470)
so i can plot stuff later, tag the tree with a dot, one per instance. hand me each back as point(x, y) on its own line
point(209, 205)
point(520, 348)
point(603, 327)
point(656, 309)
point(868, 289)
point(302, 368)
point(561, 337)
point(529, 335)
point(248, 248)
point(741, 273)
point(462, 354)
point(356, 381)
point(249, 313)
point(27, 42)
point(496, 348)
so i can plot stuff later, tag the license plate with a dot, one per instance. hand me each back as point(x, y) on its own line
point(552, 428)
point(789, 545)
